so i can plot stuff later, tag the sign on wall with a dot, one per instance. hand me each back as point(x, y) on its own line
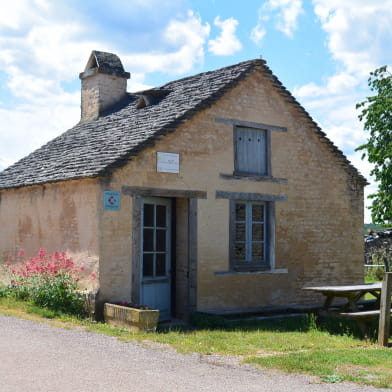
point(111, 200)
point(168, 162)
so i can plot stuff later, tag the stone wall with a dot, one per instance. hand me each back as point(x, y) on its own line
point(57, 217)
point(318, 228)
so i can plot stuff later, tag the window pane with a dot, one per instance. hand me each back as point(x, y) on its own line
point(257, 251)
point(148, 264)
point(240, 232)
point(257, 232)
point(148, 213)
point(160, 264)
point(161, 240)
point(239, 251)
point(258, 213)
point(161, 216)
point(148, 240)
point(240, 212)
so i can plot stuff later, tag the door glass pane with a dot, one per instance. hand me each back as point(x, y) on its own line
point(160, 264)
point(240, 212)
point(148, 213)
point(257, 232)
point(148, 264)
point(257, 251)
point(161, 216)
point(258, 213)
point(148, 240)
point(161, 240)
point(240, 232)
point(239, 251)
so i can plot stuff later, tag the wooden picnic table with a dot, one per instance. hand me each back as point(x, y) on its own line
point(350, 309)
point(352, 293)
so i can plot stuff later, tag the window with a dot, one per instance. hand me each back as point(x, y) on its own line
point(249, 235)
point(250, 151)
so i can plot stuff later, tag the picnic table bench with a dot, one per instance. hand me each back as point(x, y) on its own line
point(353, 307)
point(365, 315)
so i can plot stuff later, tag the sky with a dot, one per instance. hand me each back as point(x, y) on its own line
point(321, 50)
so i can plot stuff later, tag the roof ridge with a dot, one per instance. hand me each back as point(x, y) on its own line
point(237, 65)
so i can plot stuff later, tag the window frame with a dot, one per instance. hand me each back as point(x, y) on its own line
point(269, 237)
point(240, 171)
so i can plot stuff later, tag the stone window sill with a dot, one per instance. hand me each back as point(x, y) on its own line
point(252, 177)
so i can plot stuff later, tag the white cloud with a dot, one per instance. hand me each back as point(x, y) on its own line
point(336, 84)
point(187, 36)
point(44, 45)
point(226, 43)
point(257, 34)
point(364, 168)
point(285, 13)
point(289, 11)
point(358, 35)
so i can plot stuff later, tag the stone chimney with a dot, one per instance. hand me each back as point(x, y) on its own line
point(104, 83)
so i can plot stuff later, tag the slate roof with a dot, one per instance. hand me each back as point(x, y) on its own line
point(96, 148)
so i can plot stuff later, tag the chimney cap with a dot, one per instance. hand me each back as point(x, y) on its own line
point(106, 63)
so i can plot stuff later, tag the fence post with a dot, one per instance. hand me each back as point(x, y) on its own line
point(385, 310)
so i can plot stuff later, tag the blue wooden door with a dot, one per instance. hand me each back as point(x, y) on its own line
point(156, 257)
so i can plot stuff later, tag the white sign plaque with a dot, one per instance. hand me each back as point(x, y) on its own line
point(168, 162)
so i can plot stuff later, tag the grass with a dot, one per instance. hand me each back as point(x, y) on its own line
point(330, 350)
point(364, 366)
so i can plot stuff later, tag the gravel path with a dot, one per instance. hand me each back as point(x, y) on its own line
point(37, 357)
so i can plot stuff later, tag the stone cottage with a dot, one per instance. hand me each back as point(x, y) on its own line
point(216, 192)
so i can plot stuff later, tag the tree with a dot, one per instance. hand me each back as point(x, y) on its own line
point(376, 114)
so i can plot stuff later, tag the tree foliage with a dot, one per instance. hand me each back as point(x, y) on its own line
point(376, 114)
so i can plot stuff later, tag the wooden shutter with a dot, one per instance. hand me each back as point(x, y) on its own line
point(251, 151)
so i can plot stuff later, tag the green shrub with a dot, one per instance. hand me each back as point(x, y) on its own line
point(46, 280)
point(374, 274)
point(4, 291)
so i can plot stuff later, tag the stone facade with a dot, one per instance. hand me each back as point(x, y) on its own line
point(318, 228)
point(316, 200)
point(57, 217)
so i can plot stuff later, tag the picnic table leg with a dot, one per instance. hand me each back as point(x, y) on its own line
point(328, 302)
